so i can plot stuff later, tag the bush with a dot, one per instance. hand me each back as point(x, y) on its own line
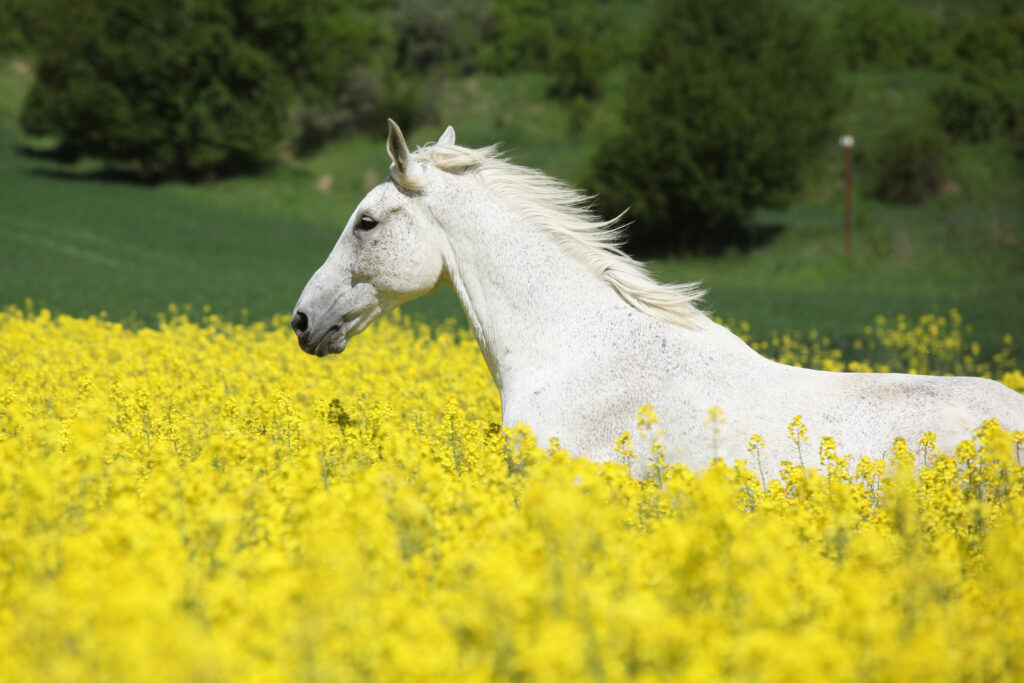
point(575, 41)
point(884, 34)
point(911, 164)
point(968, 111)
point(522, 36)
point(992, 42)
point(579, 56)
point(176, 88)
point(438, 33)
point(731, 100)
point(368, 97)
point(985, 95)
point(13, 24)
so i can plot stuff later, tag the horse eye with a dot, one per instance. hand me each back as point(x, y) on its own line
point(367, 222)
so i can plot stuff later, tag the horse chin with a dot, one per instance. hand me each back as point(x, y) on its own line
point(328, 346)
point(334, 341)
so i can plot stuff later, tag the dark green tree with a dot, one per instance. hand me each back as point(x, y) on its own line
point(984, 94)
point(178, 88)
point(431, 34)
point(523, 36)
point(732, 98)
point(881, 33)
point(574, 41)
point(581, 52)
point(13, 24)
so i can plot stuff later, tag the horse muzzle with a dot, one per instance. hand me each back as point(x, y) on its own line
point(320, 342)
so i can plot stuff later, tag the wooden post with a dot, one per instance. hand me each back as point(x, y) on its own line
point(846, 142)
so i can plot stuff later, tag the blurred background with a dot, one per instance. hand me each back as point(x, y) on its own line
point(207, 153)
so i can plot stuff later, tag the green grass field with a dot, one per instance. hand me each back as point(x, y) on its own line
point(76, 240)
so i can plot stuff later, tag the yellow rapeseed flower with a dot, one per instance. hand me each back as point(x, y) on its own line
point(204, 501)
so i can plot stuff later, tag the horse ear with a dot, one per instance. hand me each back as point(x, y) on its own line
point(447, 137)
point(397, 149)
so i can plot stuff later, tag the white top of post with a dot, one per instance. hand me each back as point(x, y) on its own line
point(846, 141)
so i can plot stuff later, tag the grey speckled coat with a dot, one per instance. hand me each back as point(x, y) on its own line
point(578, 337)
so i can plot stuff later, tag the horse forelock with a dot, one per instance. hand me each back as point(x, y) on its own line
point(568, 216)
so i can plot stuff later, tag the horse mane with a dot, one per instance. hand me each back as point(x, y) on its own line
point(567, 215)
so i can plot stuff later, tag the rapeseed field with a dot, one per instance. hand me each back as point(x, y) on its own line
point(203, 502)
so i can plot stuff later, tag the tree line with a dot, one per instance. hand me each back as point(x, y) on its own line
point(727, 102)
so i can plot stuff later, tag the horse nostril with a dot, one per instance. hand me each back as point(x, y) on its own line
point(300, 323)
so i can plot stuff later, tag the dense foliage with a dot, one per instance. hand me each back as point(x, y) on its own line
point(13, 24)
point(910, 164)
point(699, 113)
point(180, 88)
point(984, 95)
point(731, 99)
point(205, 502)
point(573, 41)
point(883, 34)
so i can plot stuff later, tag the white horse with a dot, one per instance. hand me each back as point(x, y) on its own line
point(578, 336)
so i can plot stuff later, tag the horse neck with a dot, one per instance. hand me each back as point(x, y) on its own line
point(532, 305)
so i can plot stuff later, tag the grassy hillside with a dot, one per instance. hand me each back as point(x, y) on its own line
point(79, 240)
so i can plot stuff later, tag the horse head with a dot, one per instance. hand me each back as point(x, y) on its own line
point(390, 251)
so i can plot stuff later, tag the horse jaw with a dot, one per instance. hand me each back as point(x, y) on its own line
point(330, 311)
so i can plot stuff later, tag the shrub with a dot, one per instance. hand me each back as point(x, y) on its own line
point(367, 97)
point(731, 99)
point(985, 95)
point(992, 42)
point(911, 164)
point(523, 34)
point(13, 22)
point(579, 56)
point(884, 34)
point(968, 110)
point(437, 33)
point(574, 41)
